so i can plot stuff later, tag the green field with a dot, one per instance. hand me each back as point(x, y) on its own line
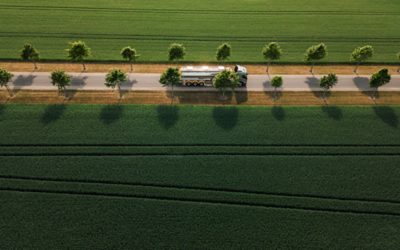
point(151, 25)
point(156, 177)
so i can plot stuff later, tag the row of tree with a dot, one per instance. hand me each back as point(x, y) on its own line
point(79, 51)
point(172, 77)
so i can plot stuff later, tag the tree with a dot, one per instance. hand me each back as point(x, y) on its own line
point(171, 77)
point(361, 54)
point(130, 55)
point(5, 78)
point(327, 82)
point(78, 51)
point(223, 52)
point(115, 78)
point(379, 79)
point(315, 53)
point(226, 79)
point(60, 79)
point(176, 52)
point(29, 53)
point(272, 52)
point(276, 82)
point(398, 57)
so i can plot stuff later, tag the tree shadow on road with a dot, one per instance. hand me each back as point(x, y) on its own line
point(168, 115)
point(111, 113)
point(52, 113)
point(313, 83)
point(77, 83)
point(226, 117)
point(362, 83)
point(333, 112)
point(22, 81)
point(126, 87)
point(387, 115)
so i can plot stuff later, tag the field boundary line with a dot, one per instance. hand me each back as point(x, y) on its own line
point(199, 145)
point(183, 187)
point(202, 201)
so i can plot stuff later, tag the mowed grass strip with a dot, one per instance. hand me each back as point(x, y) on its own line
point(201, 27)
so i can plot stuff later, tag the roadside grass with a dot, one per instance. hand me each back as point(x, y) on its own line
point(128, 176)
point(151, 26)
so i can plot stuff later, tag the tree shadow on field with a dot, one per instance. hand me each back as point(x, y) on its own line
point(333, 112)
point(387, 115)
point(2, 109)
point(278, 113)
point(226, 117)
point(167, 115)
point(111, 113)
point(52, 113)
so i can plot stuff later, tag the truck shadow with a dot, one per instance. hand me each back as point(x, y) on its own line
point(225, 117)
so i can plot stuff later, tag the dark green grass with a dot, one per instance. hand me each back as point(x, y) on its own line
point(125, 176)
point(171, 125)
point(151, 26)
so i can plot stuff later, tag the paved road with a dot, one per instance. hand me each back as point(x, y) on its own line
point(95, 81)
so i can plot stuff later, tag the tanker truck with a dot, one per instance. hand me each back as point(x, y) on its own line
point(204, 75)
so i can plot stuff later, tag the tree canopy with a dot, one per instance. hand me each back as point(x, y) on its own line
point(171, 77)
point(115, 78)
point(362, 54)
point(272, 51)
point(277, 82)
point(5, 77)
point(380, 78)
point(226, 79)
point(223, 52)
point(176, 52)
point(60, 79)
point(316, 52)
point(29, 53)
point(328, 81)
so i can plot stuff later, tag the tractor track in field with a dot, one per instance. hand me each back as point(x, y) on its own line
point(191, 188)
point(205, 38)
point(199, 201)
point(197, 145)
point(197, 11)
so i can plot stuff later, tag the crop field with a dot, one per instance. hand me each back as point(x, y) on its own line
point(151, 25)
point(126, 176)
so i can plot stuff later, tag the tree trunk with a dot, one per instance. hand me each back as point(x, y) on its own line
point(131, 67)
point(398, 69)
point(356, 68)
point(275, 94)
point(35, 65)
point(268, 64)
point(119, 90)
point(84, 66)
point(9, 90)
point(312, 68)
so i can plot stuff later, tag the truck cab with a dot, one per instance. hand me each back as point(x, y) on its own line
point(242, 73)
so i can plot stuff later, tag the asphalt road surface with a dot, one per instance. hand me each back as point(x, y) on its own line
point(95, 81)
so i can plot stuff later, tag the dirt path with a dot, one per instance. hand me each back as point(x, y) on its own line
point(158, 68)
point(203, 98)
